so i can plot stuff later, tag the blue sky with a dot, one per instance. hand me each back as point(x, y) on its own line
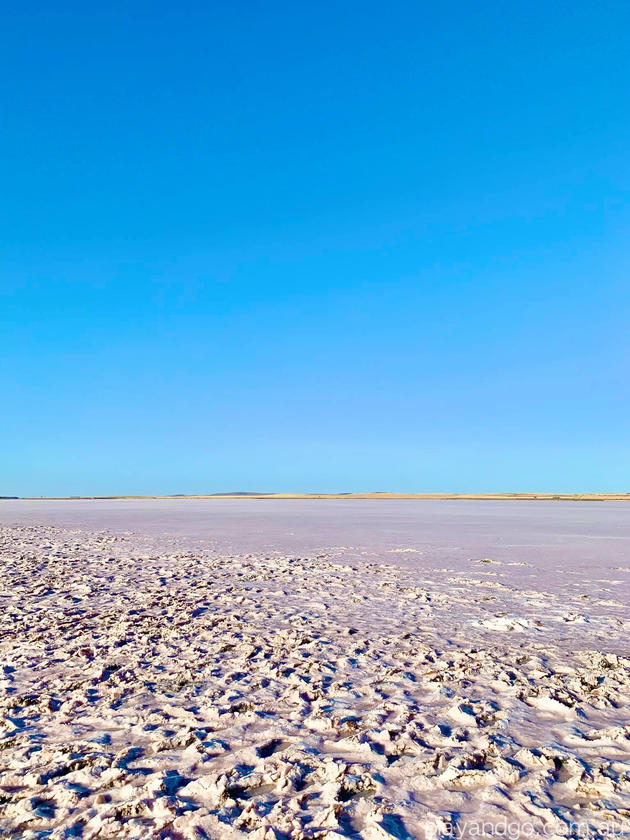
point(314, 246)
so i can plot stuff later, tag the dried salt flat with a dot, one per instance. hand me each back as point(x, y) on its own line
point(150, 689)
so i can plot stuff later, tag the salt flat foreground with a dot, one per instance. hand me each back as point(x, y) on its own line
point(153, 689)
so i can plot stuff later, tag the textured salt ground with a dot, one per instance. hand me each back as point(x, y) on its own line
point(153, 692)
point(559, 547)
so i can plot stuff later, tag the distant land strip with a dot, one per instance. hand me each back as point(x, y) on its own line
point(546, 497)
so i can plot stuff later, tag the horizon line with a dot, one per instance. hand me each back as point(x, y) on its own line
point(509, 496)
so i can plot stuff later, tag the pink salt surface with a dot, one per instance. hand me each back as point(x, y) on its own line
point(313, 669)
point(577, 547)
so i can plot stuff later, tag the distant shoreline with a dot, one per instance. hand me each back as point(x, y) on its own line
point(546, 497)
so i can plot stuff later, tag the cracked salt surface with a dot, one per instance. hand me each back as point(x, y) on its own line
point(153, 690)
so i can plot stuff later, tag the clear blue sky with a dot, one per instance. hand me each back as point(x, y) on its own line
point(314, 246)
